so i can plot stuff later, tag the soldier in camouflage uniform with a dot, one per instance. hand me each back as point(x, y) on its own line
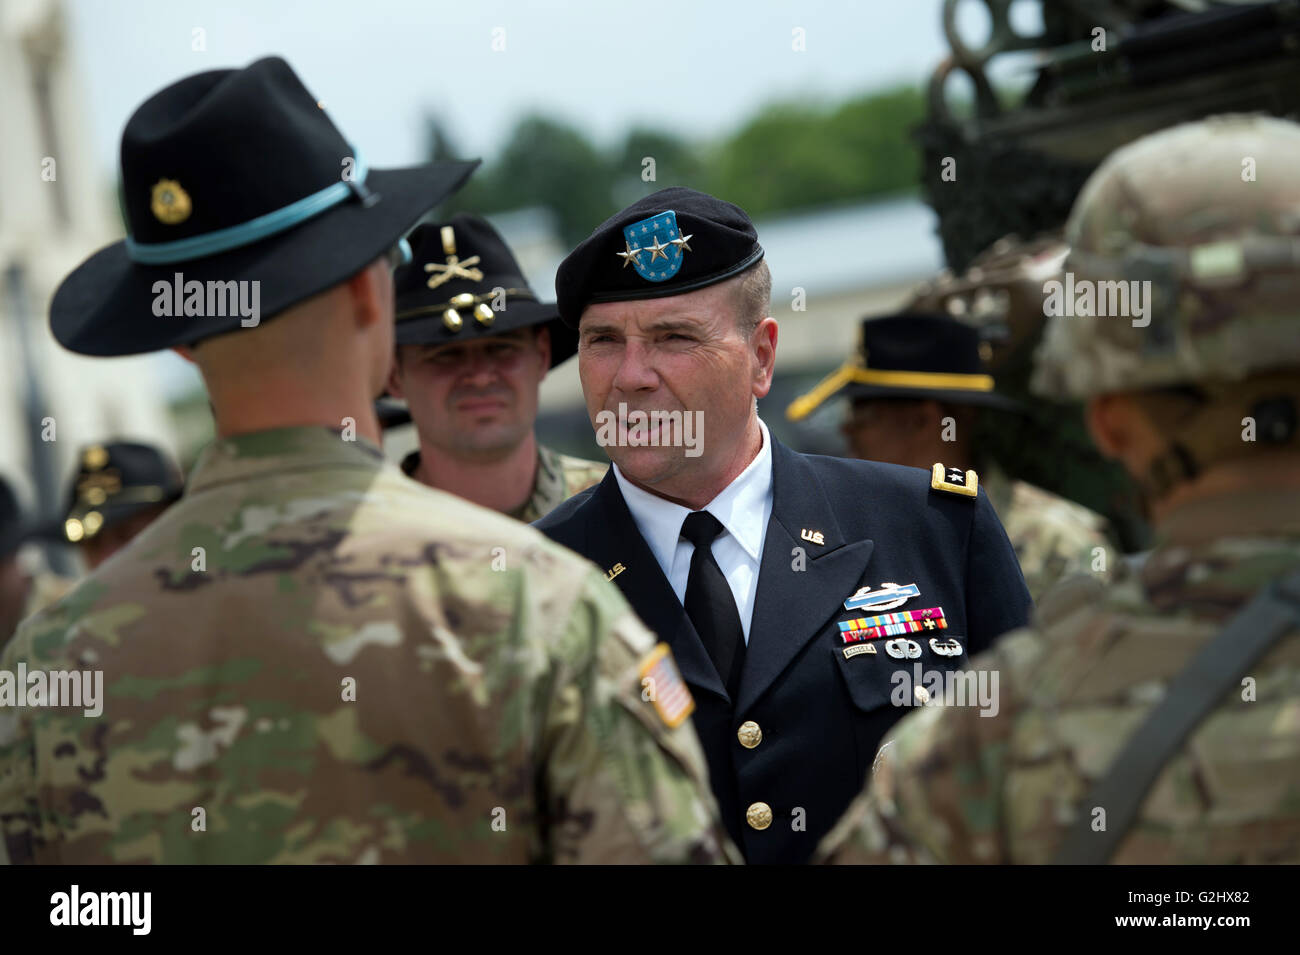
point(1178, 401)
point(311, 658)
point(915, 387)
point(473, 344)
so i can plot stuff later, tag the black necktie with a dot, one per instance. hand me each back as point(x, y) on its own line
point(709, 602)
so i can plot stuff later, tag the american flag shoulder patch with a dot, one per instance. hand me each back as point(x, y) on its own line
point(662, 685)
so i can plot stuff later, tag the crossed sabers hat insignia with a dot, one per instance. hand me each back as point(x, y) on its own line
point(454, 268)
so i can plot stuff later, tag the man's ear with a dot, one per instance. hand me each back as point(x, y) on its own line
point(395, 374)
point(764, 344)
point(544, 347)
point(1105, 416)
point(371, 292)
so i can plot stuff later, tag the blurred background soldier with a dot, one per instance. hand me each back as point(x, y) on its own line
point(22, 592)
point(473, 345)
point(119, 489)
point(1154, 722)
point(916, 389)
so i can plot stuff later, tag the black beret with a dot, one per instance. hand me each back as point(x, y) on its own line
point(673, 241)
point(446, 292)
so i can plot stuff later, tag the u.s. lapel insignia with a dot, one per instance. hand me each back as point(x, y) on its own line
point(169, 203)
point(889, 596)
point(659, 238)
point(945, 648)
point(815, 537)
point(954, 480)
point(614, 571)
point(662, 685)
point(850, 652)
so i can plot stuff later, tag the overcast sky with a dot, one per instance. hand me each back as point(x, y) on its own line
point(698, 66)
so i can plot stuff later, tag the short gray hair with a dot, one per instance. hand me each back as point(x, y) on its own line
point(753, 296)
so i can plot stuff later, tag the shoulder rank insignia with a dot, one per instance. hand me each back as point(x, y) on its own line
point(954, 480)
point(662, 685)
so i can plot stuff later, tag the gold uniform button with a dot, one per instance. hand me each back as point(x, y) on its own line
point(922, 695)
point(749, 734)
point(758, 815)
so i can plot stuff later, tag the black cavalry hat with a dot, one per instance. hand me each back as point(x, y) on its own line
point(114, 482)
point(448, 292)
point(15, 528)
point(673, 241)
point(235, 176)
point(910, 355)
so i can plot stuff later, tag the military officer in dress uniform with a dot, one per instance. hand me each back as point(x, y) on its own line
point(473, 344)
point(802, 596)
point(915, 387)
point(118, 491)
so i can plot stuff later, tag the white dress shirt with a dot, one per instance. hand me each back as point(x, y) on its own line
point(743, 509)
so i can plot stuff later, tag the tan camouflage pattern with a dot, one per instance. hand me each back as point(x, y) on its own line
point(1053, 537)
point(47, 588)
point(1223, 305)
point(956, 787)
point(558, 478)
point(498, 714)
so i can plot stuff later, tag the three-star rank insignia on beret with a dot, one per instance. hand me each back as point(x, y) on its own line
point(655, 247)
point(662, 685)
point(954, 480)
point(170, 203)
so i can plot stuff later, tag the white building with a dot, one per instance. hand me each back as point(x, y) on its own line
point(54, 212)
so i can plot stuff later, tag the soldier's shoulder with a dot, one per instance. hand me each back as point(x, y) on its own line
point(1039, 506)
point(570, 516)
point(580, 474)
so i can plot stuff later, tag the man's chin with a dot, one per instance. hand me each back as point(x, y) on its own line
point(648, 466)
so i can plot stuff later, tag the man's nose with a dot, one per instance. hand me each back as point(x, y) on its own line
point(636, 369)
point(479, 369)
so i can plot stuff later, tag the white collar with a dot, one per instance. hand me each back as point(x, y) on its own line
point(739, 508)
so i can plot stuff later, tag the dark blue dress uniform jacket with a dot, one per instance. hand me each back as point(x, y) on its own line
point(821, 716)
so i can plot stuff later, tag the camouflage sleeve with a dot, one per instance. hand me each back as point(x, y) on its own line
point(626, 779)
point(937, 791)
point(19, 816)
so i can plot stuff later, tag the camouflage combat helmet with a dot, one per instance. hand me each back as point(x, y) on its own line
point(1194, 233)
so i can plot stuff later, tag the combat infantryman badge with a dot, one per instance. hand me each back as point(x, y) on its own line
point(888, 597)
point(652, 239)
point(953, 480)
point(662, 684)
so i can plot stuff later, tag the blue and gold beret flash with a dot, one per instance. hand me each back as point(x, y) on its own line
point(674, 241)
